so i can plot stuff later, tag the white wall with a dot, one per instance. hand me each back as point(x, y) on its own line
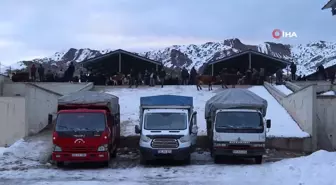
point(326, 110)
point(65, 88)
point(12, 120)
point(39, 103)
point(301, 105)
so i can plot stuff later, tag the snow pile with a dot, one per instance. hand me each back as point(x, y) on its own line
point(284, 89)
point(129, 98)
point(282, 123)
point(328, 93)
point(2, 150)
point(30, 152)
point(318, 168)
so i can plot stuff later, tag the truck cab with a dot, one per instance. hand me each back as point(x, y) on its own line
point(86, 130)
point(168, 128)
point(239, 132)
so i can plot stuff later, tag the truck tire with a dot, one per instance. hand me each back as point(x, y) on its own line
point(143, 160)
point(60, 164)
point(106, 164)
point(187, 160)
point(258, 159)
point(114, 153)
point(216, 159)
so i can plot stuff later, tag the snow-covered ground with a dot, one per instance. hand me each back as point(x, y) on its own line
point(284, 89)
point(2, 150)
point(129, 99)
point(329, 93)
point(318, 168)
point(282, 123)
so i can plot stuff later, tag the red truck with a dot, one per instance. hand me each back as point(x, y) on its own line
point(87, 128)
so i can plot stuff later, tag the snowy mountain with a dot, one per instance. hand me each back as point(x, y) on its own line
point(306, 56)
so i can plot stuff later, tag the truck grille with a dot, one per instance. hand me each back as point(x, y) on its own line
point(79, 149)
point(165, 143)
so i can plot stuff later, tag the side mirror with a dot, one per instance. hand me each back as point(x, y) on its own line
point(50, 119)
point(268, 123)
point(137, 129)
point(195, 112)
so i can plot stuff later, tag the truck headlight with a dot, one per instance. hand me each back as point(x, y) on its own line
point(103, 148)
point(144, 138)
point(259, 145)
point(220, 144)
point(57, 148)
point(185, 139)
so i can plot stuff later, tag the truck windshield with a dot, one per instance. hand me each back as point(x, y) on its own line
point(165, 121)
point(80, 122)
point(238, 120)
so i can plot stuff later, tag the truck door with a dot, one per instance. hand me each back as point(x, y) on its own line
point(193, 124)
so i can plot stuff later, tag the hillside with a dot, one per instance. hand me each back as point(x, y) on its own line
point(306, 56)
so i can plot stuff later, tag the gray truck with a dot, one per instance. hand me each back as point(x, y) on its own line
point(236, 125)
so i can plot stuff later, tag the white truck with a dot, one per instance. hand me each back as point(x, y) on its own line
point(236, 125)
point(168, 128)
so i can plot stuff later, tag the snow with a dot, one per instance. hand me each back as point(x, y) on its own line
point(129, 99)
point(282, 123)
point(329, 93)
point(317, 168)
point(2, 150)
point(284, 89)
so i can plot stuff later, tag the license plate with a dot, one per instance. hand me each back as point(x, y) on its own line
point(164, 151)
point(239, 151)
point(78, 155)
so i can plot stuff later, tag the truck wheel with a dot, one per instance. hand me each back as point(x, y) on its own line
point(106, 163)
point(187, 160)
point(143, 160)
point(216, 159)
point(258, 159)
point(60, 164)
point(114, 153)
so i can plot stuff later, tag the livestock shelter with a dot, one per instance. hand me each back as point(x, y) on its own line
point(316, 76)
point(120, 61)
point(245, 60)
point(332, 5)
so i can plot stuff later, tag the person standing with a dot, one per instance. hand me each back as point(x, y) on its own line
point(293, 70)
point(162, 76)
point(41, 73)
point(33, 72)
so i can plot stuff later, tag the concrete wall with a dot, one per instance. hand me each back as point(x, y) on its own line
point(2, 79)
point(307, 83)
point(13, 120)
point(292, 86)
point(326, 110)
point(301, 105)
point(39, 103)
point(65, 88)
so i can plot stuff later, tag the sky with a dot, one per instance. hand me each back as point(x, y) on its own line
point(39, 28)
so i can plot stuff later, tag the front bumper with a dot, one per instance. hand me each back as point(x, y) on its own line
point(89, 157)
point(153, 154)
point(251, 152)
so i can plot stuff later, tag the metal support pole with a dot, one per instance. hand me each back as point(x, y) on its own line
point(119, 62)
point(212, 70)
point(250, 61)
